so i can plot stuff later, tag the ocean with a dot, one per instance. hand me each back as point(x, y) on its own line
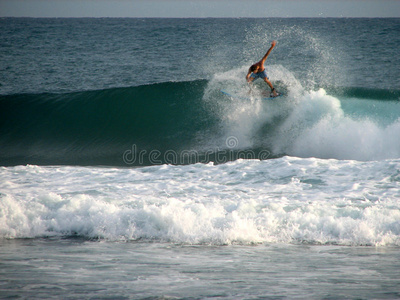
point(125, 173)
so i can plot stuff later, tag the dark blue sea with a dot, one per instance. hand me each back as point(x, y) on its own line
point(125, 173)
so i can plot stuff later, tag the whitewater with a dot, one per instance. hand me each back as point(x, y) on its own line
point(127, 174)
point(287, 200)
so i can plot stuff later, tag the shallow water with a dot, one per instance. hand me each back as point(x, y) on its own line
point(80, 269)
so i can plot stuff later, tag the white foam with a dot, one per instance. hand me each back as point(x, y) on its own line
point(239, 117)
point(312, 123)
point(318, 127)
point(284, 200)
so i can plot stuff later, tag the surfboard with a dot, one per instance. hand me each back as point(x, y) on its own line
point(248, 98)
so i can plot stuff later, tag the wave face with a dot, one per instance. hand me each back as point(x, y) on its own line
point(97, 127)
point(189, 122)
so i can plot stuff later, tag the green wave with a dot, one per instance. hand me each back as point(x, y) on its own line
point(97, 127)
point(157, 123)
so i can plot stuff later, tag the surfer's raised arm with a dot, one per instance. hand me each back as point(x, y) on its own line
point(268, 52)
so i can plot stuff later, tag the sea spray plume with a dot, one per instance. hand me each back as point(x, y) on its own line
point(247, 120)
point(243, 119)
point(302, 50)
point(305, 122)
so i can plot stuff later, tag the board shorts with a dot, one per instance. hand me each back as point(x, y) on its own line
point(262, 74)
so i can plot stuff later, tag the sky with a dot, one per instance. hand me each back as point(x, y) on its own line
point(199, 8)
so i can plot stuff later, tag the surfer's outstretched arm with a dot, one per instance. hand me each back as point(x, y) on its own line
point(268, 52)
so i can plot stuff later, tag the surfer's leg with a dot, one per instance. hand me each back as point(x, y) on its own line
point(271, 86)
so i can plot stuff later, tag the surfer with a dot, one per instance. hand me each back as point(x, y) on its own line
point(257, 70)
